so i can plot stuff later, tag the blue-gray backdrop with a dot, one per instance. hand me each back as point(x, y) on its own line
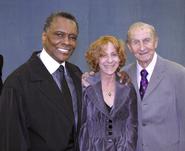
point(21, 23)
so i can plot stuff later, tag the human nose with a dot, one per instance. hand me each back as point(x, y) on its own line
point(109, 59)
point(142, 45)
point(65, 40)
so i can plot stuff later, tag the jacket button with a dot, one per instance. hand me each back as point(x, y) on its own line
point(110, 121)
point(143, 124)
point(110, 140)
point(110, 126)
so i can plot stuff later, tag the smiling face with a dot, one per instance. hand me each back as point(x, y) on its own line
point(60, 39)
point(142, 43)
point(109, 59)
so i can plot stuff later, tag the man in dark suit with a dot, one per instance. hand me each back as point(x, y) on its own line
point(1, 67)
point(35, 113)
point(161, 111)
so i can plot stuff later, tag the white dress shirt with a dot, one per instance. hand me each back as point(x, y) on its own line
point(149, 69)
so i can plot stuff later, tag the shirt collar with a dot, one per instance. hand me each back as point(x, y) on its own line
point(149, 68)
point(51, 64)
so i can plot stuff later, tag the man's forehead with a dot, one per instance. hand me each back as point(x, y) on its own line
point(141, 32)
point(63, 23)
point(62, 20)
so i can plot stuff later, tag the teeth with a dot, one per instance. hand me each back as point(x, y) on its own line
point(63, 50)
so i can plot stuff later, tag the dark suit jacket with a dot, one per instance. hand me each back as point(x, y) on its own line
point(1, 67)
point(34, 114)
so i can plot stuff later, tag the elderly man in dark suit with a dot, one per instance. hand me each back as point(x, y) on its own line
point(1, 67)
point(160, 86)
point(40, 105)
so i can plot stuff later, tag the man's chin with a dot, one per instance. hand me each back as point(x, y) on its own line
point(65, 58)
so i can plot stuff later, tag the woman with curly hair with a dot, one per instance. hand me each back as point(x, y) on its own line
point(109, 110)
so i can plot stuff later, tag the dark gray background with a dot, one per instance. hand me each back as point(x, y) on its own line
point(21, 23)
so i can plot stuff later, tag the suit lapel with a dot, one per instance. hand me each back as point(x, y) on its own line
point(133, 74)
point(45, 83)
point(75, 74)
point(97, 99)
point(121, 97)
point(132, 71)
point(156, 77)
point(76, 77)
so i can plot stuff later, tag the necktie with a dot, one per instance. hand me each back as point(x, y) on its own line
point(143, 82)
point(64, 87)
